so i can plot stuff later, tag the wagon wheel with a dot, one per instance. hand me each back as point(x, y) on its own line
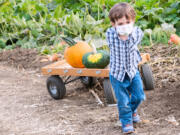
point(56, 87)
point(88, 81)
point(147, 77)
point(108, 91)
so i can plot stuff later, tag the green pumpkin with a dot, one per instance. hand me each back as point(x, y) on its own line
point(96, 60)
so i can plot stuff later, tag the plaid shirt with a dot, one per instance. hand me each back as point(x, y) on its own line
point(124, 54)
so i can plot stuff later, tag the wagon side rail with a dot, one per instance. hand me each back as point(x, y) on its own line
point(64, 69)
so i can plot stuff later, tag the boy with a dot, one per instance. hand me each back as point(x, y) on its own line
point(123, 38)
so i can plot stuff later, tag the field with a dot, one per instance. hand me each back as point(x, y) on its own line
point(31, 31)
point(27, 109)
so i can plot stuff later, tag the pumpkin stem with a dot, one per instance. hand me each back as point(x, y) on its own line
point(94, 48)
point(69, 41)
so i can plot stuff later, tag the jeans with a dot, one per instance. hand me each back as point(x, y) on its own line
point(129, 95)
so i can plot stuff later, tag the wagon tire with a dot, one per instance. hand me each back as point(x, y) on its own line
point(56, 87)
point(108, 92)
point(147, 77)
point(88, 81)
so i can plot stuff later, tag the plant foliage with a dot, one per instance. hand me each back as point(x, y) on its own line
point(41, 23)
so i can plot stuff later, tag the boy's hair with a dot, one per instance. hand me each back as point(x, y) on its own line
point(120, 10)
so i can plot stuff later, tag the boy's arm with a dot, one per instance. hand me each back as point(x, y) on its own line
point(139, 36)
point(109, 36)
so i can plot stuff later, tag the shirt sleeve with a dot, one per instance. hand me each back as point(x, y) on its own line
point(108, 37)
point(140, 35)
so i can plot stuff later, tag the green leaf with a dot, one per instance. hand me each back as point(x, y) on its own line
point(2, 44)
point(9, 47)
point(35, 33)
point(45, 50)
point(59, 12)
point(143, 23)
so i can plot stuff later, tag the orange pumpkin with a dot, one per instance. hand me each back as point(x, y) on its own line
point(53, 57)
point(175, 39)
point(74, 53)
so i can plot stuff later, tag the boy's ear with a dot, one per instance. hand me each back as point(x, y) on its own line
point(113, 24)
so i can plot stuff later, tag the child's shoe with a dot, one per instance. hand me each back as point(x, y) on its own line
point(136, 118)
point(127, 129)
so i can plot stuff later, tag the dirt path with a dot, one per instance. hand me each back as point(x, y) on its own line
point(27, 109)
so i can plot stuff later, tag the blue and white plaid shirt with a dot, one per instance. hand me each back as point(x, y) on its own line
point(124, 54)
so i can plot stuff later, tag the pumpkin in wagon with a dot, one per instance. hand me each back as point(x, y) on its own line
point(74, 53)
point(96, 59)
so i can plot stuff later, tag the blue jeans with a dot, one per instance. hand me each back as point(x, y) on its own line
point(129, 95)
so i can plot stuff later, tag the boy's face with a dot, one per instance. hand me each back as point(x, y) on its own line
point(124, 26)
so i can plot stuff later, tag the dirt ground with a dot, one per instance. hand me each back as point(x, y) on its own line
point(27, 108)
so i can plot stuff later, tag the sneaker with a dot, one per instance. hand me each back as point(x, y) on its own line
point(136, 118)
point(128, 129)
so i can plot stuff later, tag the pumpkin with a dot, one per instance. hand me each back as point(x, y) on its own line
point(99, 59)
point(175, 39)
point(74, 53)
point(53, 57)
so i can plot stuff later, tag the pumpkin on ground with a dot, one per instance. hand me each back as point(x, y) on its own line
point(175, 39)
point(74, 53)
point(100, 59)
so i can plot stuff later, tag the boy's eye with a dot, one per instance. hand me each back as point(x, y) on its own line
point(120, 23)
point(124, 23)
